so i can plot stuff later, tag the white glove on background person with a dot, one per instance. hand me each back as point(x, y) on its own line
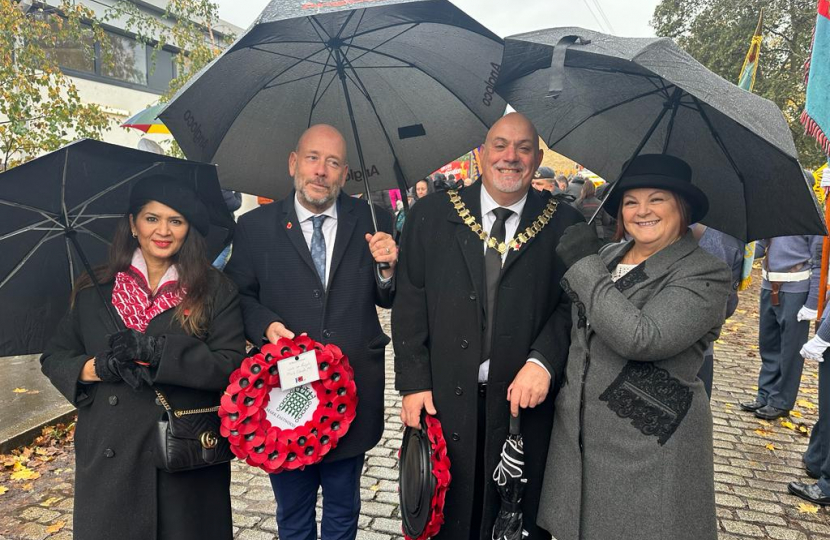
point(814, 349)
point(806, 314)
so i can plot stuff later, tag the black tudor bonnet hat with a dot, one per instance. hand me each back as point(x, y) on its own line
point(176, 194)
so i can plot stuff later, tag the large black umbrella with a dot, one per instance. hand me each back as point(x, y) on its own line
point(601, 100)
point(62, 208)
point(510, 483)
point(408, 83)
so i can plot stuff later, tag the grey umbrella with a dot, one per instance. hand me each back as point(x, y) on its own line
point(408, 83)
point(601, 100)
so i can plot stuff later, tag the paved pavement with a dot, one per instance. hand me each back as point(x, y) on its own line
point(754, 460)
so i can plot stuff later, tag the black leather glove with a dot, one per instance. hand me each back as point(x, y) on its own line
point(129, 346)
point(134, 374)
point(577, 242)
point(106, 367)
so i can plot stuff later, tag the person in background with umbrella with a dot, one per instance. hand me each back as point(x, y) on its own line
point(631, 450)
point(789, 300)
point(481, 325)
point(308, 263)
point(233, 200)
point(183, 335)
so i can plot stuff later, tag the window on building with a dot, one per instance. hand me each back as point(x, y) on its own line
point(128, 60)
point(121, 60)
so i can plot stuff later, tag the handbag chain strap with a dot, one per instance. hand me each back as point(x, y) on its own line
point(183, 412)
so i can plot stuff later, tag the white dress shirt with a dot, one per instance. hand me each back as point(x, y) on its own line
point(304, 215)
point(511, 224)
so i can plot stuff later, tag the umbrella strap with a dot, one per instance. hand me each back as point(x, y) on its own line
point(508, 506)
point(557, 63)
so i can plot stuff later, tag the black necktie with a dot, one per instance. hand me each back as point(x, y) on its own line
point(492, 271)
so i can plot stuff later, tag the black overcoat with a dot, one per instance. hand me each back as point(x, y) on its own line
point(117, 486)
point(271, 264)
point(438, 324)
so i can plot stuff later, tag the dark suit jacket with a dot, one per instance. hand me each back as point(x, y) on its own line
point(271, 264)
point(439, 326)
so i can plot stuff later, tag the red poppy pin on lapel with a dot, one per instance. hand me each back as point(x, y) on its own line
point(289, 225)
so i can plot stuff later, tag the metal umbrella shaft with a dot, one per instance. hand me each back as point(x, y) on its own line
point(341, 71)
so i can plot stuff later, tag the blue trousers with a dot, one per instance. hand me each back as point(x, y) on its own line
point(780, 338)
point(296, 494)
point(817, 456)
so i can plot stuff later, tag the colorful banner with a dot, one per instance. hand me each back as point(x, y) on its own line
point(746, 80)
point(816, 115)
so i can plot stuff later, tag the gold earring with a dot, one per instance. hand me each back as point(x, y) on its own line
point(135, 235)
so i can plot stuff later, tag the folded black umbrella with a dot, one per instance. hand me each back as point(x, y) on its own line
point(409, 84)
point(601, 100)
point(57, 216)
point(510, 484)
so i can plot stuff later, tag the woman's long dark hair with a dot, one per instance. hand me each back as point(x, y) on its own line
point(191, 263)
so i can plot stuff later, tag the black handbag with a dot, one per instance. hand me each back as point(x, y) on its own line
point(189, 439)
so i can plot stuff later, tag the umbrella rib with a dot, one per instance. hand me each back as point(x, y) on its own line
point(601, 111)
point(719, 141)
point(48, 215)
point(351, 38)
point(292, 66)
point(65, 215)
point(16, 269)
point(32, 227)
point(409, 64)
point(381, 44)
point(94, 235)
point(304, 77)
point(290, 56)
point(80, 208)
point(315, 100)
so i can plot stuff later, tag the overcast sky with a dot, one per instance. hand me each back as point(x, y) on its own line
point(506, 17)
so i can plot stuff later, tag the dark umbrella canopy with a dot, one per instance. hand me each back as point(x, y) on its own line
point(510, 483)
point(75, 194)
point(612, 94)
point(418, 77)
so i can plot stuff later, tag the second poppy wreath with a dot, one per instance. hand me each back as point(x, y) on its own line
point(279, 429)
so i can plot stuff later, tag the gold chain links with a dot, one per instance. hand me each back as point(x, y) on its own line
point(518, 240)
point(179, 414)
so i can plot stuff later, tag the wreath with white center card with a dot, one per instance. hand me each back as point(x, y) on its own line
point(277, 415)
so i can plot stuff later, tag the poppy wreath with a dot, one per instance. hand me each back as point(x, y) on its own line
point(441, 472)
point(245, 423)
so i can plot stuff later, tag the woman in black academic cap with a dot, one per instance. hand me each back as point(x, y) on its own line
point(630, 455)
point(182, 334)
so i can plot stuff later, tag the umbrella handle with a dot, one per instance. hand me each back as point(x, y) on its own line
point(516, 424)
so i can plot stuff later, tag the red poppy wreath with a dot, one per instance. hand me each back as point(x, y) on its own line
point(276, 429)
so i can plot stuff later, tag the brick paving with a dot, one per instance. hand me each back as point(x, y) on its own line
point(754, 460)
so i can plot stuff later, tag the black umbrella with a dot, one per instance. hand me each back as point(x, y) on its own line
point(510, 483)
point(57, 214)
point(601, 100)
point(408, 83)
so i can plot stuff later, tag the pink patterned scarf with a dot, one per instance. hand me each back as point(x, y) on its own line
point(133, 299)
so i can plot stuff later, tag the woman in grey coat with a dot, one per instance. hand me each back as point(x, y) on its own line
point(631, 450)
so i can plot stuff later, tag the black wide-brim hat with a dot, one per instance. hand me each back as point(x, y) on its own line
point(661, 172)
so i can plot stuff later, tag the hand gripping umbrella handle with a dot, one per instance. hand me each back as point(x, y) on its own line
point(516, 424)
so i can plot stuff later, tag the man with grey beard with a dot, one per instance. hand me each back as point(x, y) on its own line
point(307, 264)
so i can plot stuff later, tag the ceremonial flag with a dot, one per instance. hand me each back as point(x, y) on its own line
point(816, 115)
point(747, 82)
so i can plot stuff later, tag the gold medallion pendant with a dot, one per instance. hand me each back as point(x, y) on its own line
point(518, 240)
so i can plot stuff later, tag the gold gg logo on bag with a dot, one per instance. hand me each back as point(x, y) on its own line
point(209, 440)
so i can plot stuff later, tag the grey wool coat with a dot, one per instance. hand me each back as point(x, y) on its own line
point(630, 455)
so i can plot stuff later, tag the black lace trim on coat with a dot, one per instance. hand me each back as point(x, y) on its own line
point(582, 319)
point(633, 277)
point(655, 401)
